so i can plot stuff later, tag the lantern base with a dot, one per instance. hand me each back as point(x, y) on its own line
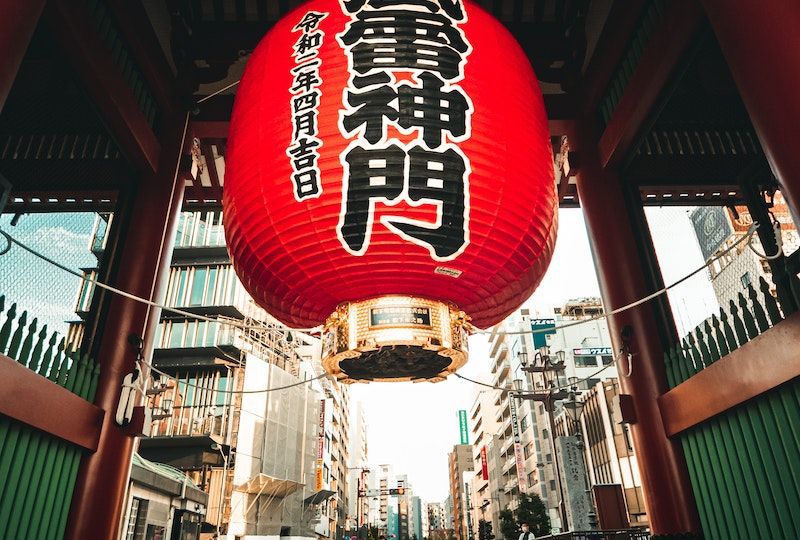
point(394, 338)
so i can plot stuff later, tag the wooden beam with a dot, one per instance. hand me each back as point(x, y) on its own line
point(140, 37)
point(613, 41)
point(34, 400)
point(756, 367)
point(205, 129)
point(69, 22)
point(668, 44)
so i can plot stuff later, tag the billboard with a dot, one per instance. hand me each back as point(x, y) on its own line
point(518, 457)
point(462, 426)
point(541, 328)
point(711, 227)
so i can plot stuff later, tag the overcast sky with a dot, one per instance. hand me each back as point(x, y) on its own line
point(414, 426)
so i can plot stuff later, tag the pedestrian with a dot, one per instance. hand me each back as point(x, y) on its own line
point(525, 534)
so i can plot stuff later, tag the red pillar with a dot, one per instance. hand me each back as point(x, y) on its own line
point(18, 20)
point(668, 497)
point(761, 43)
point(145, 250)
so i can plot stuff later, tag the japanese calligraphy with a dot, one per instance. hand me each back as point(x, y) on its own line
point(406, 58)
point(303, 153)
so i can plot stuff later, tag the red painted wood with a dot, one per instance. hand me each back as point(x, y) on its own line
point(34, 400)
point(666, 48)
point(761, 43)
point(145, 252)
point(751, 370)
point(90, 58)
point(18, 20)
point(667, 492)
point(141, 38)
point(612, 43)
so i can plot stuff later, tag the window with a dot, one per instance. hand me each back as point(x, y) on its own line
point(552, 485)
point(523, 424)
point(198, 286)
point(745, 279)
point(531, 478)
point(607, 360)
point(527, 450)
point(136, 519)
point(585, 361)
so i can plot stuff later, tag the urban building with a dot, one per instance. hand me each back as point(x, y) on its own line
point(437, 520)
point(587, 358)
point(358, 471)
point(162, 503)
point(608, 452)
point(718, 228)
point(459, 461)
point(488, 498)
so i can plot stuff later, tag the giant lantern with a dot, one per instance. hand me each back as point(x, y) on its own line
point(390, 177)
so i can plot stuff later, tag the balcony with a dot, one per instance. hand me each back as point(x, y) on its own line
point(509, 464)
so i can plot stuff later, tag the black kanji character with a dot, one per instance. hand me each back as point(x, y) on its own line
point(306, 184)
point(423, 56)
point(308, 42)
point(302, 151)
point(303, 102)
point(305, 123)
point(404, 27)
point(305, 80)
point(310, 21)
point(437, 176)
point(373, 174)
point(432, 109)
point(373, 106)
point(452, 8)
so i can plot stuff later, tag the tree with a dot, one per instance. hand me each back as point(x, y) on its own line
point(508, 525)
point(532, 511)
point(485, 530)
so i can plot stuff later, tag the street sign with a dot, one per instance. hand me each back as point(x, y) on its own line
point(592, 351)
point(373, 493)
point(462, 425)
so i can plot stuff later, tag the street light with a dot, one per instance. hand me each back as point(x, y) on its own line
point(518, 385)
point(574, 409)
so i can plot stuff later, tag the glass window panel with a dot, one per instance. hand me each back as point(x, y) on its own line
point(212, 281)
point(176, 334)
point(585, 361)
point(198, 286)
point(182, 275)
point(191, 333)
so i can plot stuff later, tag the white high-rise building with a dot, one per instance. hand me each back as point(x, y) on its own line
point(357, 470)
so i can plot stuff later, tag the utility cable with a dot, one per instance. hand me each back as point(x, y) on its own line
point(748, 237)
point(11, 240)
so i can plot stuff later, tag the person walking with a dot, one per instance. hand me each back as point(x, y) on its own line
point(526, 533)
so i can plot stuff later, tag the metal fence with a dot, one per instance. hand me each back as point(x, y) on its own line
point(38, 471)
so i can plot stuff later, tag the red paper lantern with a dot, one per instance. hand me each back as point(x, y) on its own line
point(389, 147)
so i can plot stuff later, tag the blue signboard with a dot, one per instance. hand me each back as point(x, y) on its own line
point(541, 328)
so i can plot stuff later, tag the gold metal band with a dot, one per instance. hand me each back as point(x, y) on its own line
point(394, 338)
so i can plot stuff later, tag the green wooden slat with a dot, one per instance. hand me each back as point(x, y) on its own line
point(747, 317)
point(730, 338)
point(16, 337)
point(713, 349)
point(770, 303)
point(705, 355)
point(758, 310)
point(24, 355)
point(697, 478)
point(741, 334)
point(5, 330)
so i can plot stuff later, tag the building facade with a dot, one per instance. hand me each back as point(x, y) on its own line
point(460, 461)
